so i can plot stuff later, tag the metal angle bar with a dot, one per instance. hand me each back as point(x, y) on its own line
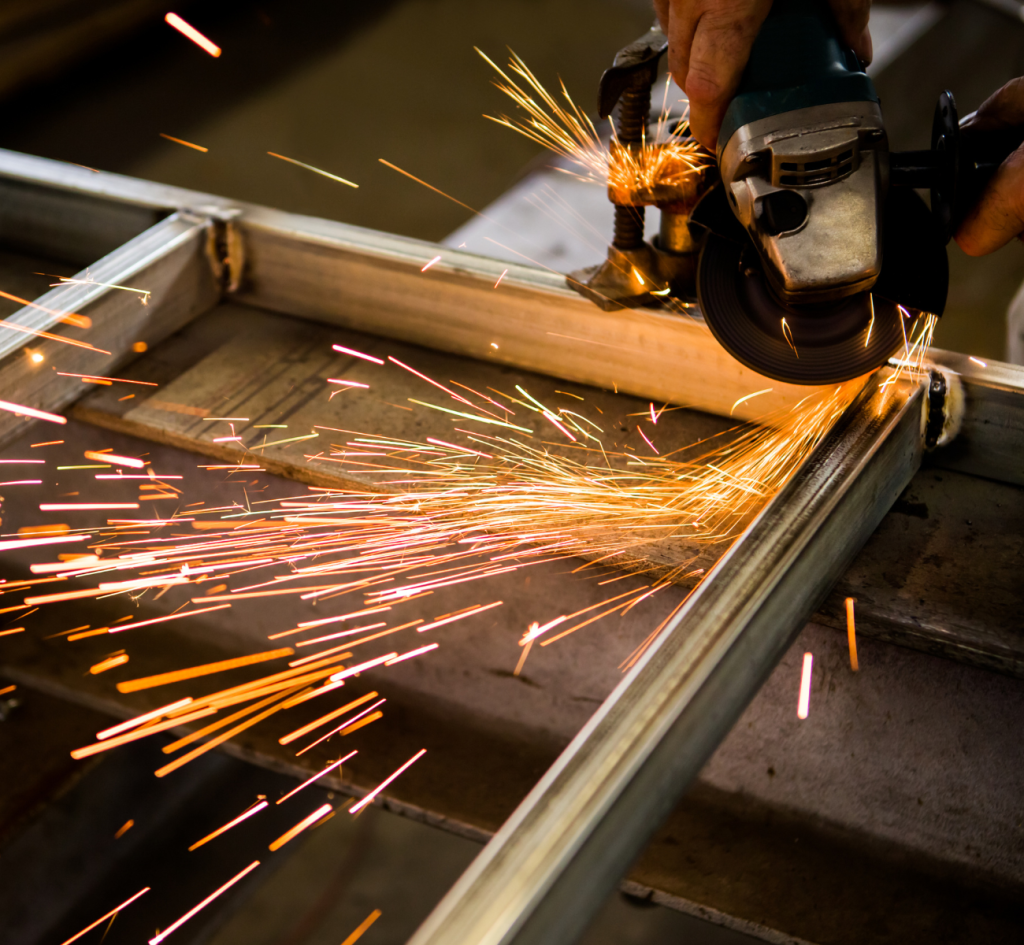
point(545, 874)
point(169, 261)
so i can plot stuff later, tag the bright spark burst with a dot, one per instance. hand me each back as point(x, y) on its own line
point(670, 158)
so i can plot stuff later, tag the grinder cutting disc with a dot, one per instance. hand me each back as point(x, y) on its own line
point(828, 342)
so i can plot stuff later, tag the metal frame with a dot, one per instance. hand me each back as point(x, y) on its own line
point(546, 872)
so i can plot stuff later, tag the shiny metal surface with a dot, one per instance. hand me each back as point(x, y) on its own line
point(545, 873)
point(834, 157)
point(168, 260)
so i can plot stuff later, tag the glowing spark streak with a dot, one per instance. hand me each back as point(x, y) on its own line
point(347, 726)
point(353, 643)
point(318, 814)
point(315, 170)
point(31, 411)
point(103, 918)
point(109, 663)
point(87, 322)
point(357, 354)
point(158, 581)
point(63, 595)
point(429, 187)
point(83, 506)
point(190, 32)
point(69, 317)
point(851, 634)
point(5, 633)
point(359, 805)
point(362, 723)
point(118, 476)
point(96, 377)
point(340, 633)
point(647, 441)
point(188, 915)
point(789, 337)
point(549, 416)
point(34, 542)
point(496, 284)
point(245, 815)
point(871, 324)
point(436, 259)
point(214, 742)
point(128, 824)
point(115, 460)
point(423, 377)
point(292, 439)
point(526, 652)
point(23, 482)
point(306, 624)
point(188, 144)
point(153, 620)
point(469, 416)
point(144, 732)
point(803, 706)
point(354, 670)
point(35, 461)
point(323, 720)
point(412, 653)
point(460, 449)
point(142, 719)
point(977, 361)
point(654, 418)
point(316, 777)
point(357, 932)
point(468, 613)
point(747, 397)
point(333, 380)
point(206, 669)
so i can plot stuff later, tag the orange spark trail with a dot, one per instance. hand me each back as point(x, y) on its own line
point(316, 777)
point(359, 805)
point(318, 814)
point(188, 915)
point(188, 144)
point(103, 918)
point(357, 932)
point(245, 815)
point(323, 720)
point(31, 411)
point(193, 672)
point(115, 460)
point(315, 170)
point(189, 31)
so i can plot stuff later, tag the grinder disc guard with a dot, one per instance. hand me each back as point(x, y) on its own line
point(828, 342)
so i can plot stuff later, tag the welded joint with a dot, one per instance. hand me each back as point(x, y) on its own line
point(944, 414)
point(224, 247)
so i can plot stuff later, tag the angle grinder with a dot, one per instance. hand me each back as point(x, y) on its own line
point(819, 251)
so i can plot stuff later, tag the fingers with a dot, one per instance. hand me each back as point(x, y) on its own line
point(1002, 109)
point(999, 216)
point(723, 34)
point(852, 17)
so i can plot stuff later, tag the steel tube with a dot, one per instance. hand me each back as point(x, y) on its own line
point(547, 871)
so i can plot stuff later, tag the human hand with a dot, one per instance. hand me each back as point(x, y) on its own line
point(998, 216)
point(709, 42)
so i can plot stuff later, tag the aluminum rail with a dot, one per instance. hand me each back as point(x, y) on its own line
point(546, 873)
point(169, 260)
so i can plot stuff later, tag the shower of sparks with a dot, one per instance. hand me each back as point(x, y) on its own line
point(189, 31)
point(315, 170)
point(159, 937)
point(669, 158)
point(188, 144)
point(804, 702)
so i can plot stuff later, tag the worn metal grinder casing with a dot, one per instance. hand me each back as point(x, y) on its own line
point(826, 263)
